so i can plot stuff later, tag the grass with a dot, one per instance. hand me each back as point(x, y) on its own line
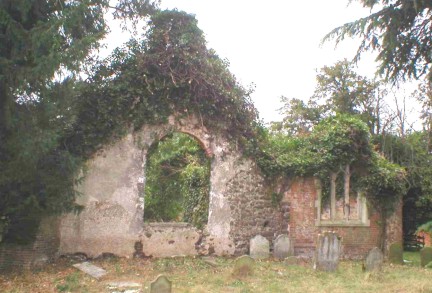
point(195, 275)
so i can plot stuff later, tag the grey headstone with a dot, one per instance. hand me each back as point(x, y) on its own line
point(374, 260)
point(91, 269)
point(160, 285)
point(243, 266)
point(283, 247)
point(327, 252)
point(259, 247)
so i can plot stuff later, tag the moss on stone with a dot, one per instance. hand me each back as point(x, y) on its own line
point(396, 253)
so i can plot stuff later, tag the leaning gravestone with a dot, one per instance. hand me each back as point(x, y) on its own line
point(327, 252)
point(425, 256)
point(259, 247)
point(374, 260)
point(283, 247)
point(243, 266)
point(160, 285)
point(396, 253)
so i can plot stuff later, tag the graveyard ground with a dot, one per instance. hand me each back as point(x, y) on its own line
point(196, 275)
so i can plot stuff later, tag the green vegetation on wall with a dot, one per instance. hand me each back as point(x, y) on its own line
point(177, 181)
point(169, 71)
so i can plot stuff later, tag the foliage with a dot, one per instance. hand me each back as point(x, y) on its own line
point(177, 184)
point(401, 33)
point(384, 184)
point(412, 154)
point(298, 117)
point(426, 227)
point(169, 72)
point(339, 90)
point(334, 142)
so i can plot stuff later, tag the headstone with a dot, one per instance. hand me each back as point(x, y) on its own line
point(283, 247)
point(327, 252)
point(243, 266)
point(259, 247)
point(425, 256)
point(160, 285)
point(374, 260)
point(91, 269)
point(396, 253)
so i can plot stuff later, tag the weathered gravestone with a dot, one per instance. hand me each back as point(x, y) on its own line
point(90, 269)
point(396, 253)
point(160, 285)
point(124, 286)
point(425, 256)
point(283, 247)
point(259, 247)
point(374, 260)
point(243, 266)
point(327, 252)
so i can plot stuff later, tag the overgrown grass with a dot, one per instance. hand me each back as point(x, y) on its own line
point(195, 275)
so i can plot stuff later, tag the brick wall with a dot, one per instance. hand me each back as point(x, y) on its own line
point(357, 240)
point(42, 250)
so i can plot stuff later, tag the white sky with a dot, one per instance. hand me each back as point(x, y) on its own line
point(274, 44)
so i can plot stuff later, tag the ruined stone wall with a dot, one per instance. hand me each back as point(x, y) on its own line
point(112, 221)
point(252, 209)
point(357, 240)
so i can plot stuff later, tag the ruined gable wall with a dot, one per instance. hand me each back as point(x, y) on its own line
point(112, 221)
point(357, 240)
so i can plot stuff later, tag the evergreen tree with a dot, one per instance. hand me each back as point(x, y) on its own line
point(401, 33)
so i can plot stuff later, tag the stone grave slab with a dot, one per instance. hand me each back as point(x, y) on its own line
point(283, 247)
point(160, 285)
point(374, 260)
point(259, 247)
point(396, 253)
point(243, 266)
point(328, 251)
point(90, 269)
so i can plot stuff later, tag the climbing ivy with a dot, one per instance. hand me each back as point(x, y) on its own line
point(178, 181)
point(168, 71)
point(335, 142)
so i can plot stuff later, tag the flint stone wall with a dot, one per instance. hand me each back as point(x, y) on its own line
point(112, 221)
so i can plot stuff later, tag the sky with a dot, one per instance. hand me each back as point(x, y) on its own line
point(274, 44)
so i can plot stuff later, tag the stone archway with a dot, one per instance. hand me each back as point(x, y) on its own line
point(112, 219)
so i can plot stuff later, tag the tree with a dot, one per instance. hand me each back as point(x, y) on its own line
point(43, 45)
point(339, 90)
point(401, 33)
point(298, 117)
